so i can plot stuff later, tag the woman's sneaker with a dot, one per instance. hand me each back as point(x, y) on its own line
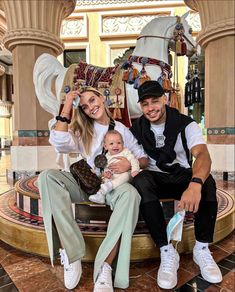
point(104, 281)
point(72, 272)
point(209, 269)
point(167, 273)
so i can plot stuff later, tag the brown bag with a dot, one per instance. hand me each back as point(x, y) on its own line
point(85, 177)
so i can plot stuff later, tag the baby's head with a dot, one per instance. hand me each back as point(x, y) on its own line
point(113, 142)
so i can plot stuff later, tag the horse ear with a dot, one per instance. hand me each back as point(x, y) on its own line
point(185, 15)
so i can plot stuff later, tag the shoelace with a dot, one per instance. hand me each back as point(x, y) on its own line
point(104, 276)
point(206, 258)
point(64, 261)
point(167, 261)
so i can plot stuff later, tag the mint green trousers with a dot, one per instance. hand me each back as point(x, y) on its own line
point(58, 191)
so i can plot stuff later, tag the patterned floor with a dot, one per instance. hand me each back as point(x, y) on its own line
point(27, 273)
point(24, 272)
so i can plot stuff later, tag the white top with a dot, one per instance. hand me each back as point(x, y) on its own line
point(125, 153)
point(66, 142)
point(193, 136)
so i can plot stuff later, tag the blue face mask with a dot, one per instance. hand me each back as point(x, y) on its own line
point(175, 227)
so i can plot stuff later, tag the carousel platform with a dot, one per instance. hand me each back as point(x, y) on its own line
point(22, 227)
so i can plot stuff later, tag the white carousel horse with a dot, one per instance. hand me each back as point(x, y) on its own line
point(152, 43)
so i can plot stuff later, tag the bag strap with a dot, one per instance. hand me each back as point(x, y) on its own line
point(188, 153)
point(111, 127)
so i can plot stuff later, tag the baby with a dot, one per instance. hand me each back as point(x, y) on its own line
point(113, 143)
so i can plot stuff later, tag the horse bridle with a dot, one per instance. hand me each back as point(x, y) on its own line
point(165, 38)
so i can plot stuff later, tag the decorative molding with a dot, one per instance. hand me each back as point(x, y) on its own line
point(126, 24)
point(74, 27)
point(31, 133)
point(33, 37)
point(39, 21)
point(194, 21)
point(3, 25)
point(113, 4)
point(5, 109)
point(110, 2)
point(221, 131)
point(216, 30)
point(223, 136)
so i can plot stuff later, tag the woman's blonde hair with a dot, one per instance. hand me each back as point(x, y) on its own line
point(83, 124)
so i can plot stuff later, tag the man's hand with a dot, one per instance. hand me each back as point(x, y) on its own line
point(121, 166)
point(191, 198)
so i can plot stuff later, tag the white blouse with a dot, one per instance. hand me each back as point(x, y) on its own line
point(67, 142)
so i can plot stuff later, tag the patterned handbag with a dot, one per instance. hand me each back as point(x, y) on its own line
point(85, 177)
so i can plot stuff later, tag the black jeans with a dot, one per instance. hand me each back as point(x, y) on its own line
point(153, 186)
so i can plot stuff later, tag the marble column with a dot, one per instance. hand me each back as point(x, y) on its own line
point(33, 28)
point(217, 38)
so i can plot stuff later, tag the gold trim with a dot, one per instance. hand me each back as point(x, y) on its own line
point(34, 241)
point(25, 193)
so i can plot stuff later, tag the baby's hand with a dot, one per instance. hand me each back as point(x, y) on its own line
point(134, 173)
point(108, 174)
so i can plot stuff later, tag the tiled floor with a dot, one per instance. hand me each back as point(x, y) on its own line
point(29, 273)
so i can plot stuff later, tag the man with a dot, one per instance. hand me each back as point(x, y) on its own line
point(168, 138)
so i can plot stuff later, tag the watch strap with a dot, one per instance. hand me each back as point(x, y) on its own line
point(197, 180)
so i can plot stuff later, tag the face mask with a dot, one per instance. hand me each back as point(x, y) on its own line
point(175, 227)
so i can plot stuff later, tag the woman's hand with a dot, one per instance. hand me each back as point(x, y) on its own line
point(70, 97)
point(121, 166)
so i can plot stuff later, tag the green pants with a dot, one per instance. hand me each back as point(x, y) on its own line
point(58, 191)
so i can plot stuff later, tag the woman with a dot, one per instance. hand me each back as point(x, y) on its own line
point(59, 189)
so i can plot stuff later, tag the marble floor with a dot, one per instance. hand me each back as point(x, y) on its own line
point(29, 273)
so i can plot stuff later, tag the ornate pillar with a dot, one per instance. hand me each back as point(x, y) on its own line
point(217, 38)
point(33, 29)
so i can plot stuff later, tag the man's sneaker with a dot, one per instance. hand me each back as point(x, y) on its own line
point(167, 273)
point(72, 272)
point(209, 269)
point(99, 198)
point(104, 281)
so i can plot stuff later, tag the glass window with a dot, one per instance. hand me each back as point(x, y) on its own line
point(74, 56)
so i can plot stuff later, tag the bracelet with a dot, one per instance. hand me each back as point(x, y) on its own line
point(65, 113)
point(63, 119)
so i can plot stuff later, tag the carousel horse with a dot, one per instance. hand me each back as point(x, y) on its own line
point(148, 61)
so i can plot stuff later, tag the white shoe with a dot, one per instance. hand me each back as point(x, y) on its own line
point(167, 273)
point(99, 198)
point(104, 281)
point(208, 267)
point(72, 272)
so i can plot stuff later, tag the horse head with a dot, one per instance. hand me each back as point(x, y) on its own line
point(160, 34)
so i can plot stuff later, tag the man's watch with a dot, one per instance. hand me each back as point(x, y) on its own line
point(197, 180)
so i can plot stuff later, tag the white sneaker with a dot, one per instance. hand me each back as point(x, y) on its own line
point(104, 281)
point(167, 273)
point(99, 198)
point(72, 272)
point(209, 269)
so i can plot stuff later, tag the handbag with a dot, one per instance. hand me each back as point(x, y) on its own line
point(85, 177)
point(83, 174)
